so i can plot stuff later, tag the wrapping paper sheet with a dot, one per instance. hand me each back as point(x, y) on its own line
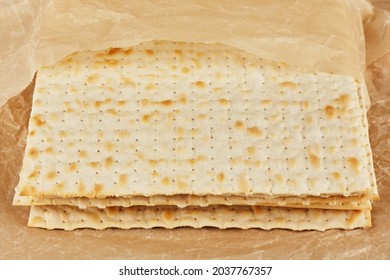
point(40, 33)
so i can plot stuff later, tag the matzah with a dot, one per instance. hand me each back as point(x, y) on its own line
point(195, 127)
point(70, 218)
point(341, 203)
point(164, 118)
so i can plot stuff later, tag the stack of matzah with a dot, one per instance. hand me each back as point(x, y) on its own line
point(168, 134)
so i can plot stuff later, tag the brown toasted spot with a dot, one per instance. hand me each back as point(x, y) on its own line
point(37, 103)
point(127, 82)
point(67, 60)
point(355, 142)
point(111, 62)
point(73, 166)
point(128, 51)
point(149, 52)
point(332, 149)
point(195, 131)
point(33, 153)
point(182, 99)
point(168, 215)
point(140, 155)
point(200, 84)
point(122, 103)
point(37, 120)
point(292, 183)
point(353, 163)
point(37, 220)
point(165, 181)
point(97, 188)
point(257, 163)
point(178, 52)
point(202, 116)
point(108, 162)
point(62, 133)
point(266, 102)
point(343, 100)
point(111, 112)
point(146, 118)
point(292, 162)
point(166, 103)
point(224, 101)
point(284, 103)
point(112, 211)
point(69, 110)
point(217, 90)
point(251, 150)
point(354, 215)
point(221, 177)
point(82, 154)
point(257, 211)
point(51, 175)
point(218, 76)
point(98, 104)
point(153, 163)
point(330, 112)
point(93, 164)
point(28, 190)
point(122, 133)
point(336, 175)
point(306, 104)
point(288, 84)
point(180, 131)
point(150, 86)
point(113, 51)
point(279, 220)
point(315, 161)
point(243, 184)
point(49, 150)
point(313, 182)
point(33, 174)
point(254, 131)
point(182, 185)
point(100, 134)
point(107, 101)
point(59, 187)
point(279, 178)
point(308, 120)
point(122, 179)
point(32, 132)
point(196, 62)
point(81, 187)
point(92, 78)
point(185, 70)
point(238, 124)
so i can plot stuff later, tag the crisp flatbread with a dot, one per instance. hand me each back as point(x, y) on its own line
point(70, 218)
point(166, 118)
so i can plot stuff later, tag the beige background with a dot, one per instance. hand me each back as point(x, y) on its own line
point(19, 242)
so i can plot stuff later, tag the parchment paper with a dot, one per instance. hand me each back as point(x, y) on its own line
point(34, 33)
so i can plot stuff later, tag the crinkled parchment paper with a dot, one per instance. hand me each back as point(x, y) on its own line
point(315, 35)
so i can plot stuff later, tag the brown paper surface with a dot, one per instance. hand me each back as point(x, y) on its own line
point(40, 33)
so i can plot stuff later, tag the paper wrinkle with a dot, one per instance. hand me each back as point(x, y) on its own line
point(377, 35)
point(44, 31)
point(37, 43)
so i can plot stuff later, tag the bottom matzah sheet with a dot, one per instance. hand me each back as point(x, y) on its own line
point(70, 218)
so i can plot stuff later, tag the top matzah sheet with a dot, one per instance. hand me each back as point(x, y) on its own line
point(184, 118)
